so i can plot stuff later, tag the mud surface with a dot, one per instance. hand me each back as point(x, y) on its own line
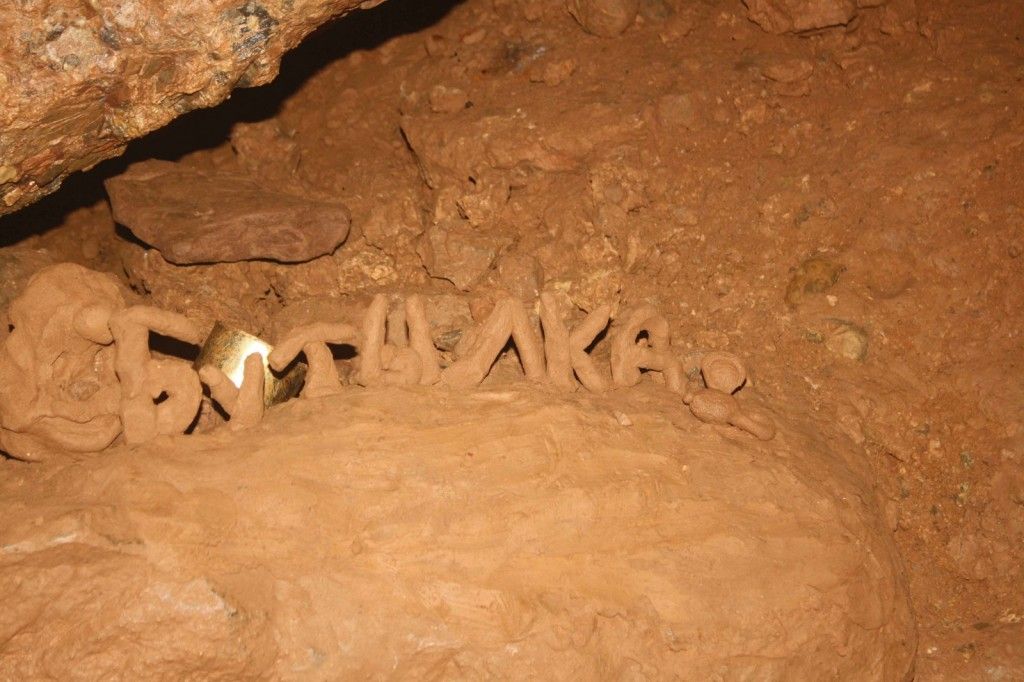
point(842, 209)
point(499, 532)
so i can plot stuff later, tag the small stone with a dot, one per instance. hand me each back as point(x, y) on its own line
point(620, 181)
point(604, 18)
point(797, 16)
point(847, 340)
point(788, 70)
point(886, 273)
point(474, 37)
point(447, 340)
point(438, 46)
point(521, 275)
point(458, 253)
point(486, 199)
point(790, 76)
point(814, 276)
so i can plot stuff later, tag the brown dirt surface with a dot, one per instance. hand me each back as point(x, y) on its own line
point(842, 209)
point(500, 532)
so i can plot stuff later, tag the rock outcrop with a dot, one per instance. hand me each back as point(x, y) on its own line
point(79, 80)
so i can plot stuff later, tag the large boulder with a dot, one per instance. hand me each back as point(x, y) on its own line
point(412, 534)
point(78, 80)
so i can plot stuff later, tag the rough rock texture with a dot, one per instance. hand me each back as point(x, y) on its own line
point(605, 18)
point(458, 254)
point(78, 80)
point(785, 16)
point(196, 216)
point(412, 534)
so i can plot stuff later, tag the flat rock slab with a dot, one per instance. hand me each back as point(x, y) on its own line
point(196, 216)
point(422, 534)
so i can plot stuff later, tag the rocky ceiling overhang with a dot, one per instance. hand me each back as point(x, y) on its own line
point(81, 78)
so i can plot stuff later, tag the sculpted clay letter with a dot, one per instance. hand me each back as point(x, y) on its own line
point(311, 340)
point(415, 361)
point(421, 341)
point(507, 319)
point(629, 355)
point(566, 352)
point(556, 344)
point(145, 379)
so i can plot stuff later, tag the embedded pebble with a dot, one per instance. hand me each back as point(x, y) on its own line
point(847, 340)
point(814, 276)
point(604, 18)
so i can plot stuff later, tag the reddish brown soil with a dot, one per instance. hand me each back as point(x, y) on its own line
point(845, 211)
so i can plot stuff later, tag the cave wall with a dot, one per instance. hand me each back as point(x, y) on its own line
point(79, 80)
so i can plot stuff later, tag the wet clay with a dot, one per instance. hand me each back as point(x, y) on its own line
point(507, 320)
point(58, 386)
point(566, 351)
point(312, 341)
point(159, 396)
point(162, 396)
point(723, 375)
point(411, 533)
point(411, 359)
point(77, 371)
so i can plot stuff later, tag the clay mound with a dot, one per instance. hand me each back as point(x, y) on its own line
point(408, 533)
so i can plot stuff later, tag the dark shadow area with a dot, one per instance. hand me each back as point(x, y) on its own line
point(206, 128)
point(173, 348)
point(299, 359)
point(129, 236)
point(601, 336)
point(343, 351)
